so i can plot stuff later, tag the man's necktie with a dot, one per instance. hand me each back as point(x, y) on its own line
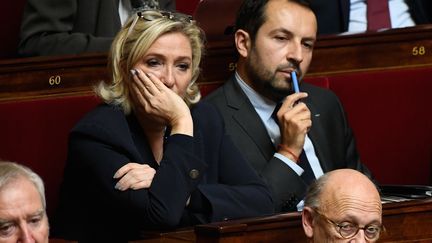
point(378, 15)
point(308, 175)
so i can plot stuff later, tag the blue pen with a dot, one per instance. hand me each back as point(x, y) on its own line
point(295, 82)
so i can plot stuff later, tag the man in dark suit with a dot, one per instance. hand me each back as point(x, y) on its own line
point(58, 27)
point(333, 16)
point(310, 134)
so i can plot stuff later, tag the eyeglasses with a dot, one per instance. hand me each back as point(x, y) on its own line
point(150, 15)
point(348, 230)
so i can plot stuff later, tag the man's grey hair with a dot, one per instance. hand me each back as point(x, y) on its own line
point(313, 194)
point(10, 172)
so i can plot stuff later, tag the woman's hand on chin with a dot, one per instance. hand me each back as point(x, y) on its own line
point(152, 97)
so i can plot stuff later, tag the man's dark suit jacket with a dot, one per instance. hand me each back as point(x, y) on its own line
point(56, 27)
point(330, 134)
point(207, 166)
point(333, 15)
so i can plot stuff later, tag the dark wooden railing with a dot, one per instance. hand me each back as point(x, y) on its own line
point(65, 75)
point(409, 221)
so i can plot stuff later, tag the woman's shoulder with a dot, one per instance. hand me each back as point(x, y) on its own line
point(102, 112)
point(104, 116)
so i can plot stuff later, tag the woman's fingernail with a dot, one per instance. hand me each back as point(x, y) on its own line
point(133, 71)
point(118, 187)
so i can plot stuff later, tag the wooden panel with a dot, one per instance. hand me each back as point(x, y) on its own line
point(50, 76)
point(177, 236)
point(409, 221)
point(343, 53)
point(286, 227)
point(28, 78)
point(390, 48)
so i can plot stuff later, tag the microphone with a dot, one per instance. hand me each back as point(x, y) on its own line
point(141, 5)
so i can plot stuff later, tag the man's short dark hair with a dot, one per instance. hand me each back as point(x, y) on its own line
point(250, 16)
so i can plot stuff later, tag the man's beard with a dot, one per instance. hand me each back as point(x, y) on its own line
point(266, 82)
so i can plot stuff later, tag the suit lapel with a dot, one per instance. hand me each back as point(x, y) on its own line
point(246, 117)
point(244, 114)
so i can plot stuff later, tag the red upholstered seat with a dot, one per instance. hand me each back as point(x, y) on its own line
point(390, 113)
point(35, 133)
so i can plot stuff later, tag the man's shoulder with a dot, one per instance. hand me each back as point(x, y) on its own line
point(219, 93)
point(216, 94)
point(223, 95)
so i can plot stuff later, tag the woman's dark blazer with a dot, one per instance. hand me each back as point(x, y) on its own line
point(206, 166)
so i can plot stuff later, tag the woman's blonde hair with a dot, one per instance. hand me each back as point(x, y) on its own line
point(131, 44)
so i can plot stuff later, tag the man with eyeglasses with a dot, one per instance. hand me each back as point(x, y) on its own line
point(342, 206)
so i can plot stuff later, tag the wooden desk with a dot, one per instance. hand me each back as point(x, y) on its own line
point(408, 221)
point(28, 78)
point(60, 75)
point(332, 54)
point(404, 222)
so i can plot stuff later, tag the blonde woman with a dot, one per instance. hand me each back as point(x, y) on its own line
point(144, 160)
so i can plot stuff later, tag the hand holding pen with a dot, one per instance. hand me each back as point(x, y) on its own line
point(294, 119)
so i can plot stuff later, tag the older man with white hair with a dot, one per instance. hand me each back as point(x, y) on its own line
point(22, 205)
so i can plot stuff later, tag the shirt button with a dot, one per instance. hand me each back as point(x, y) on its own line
point(194, 173)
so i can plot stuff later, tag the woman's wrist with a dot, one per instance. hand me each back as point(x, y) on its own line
point(183, 125)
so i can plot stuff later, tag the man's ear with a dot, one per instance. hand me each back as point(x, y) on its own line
point(307, 221)
point(242, 42)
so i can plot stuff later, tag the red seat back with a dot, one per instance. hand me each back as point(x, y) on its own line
point(34, 133)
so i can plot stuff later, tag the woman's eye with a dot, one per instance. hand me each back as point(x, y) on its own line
point(153, 63)
point(183, 66)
